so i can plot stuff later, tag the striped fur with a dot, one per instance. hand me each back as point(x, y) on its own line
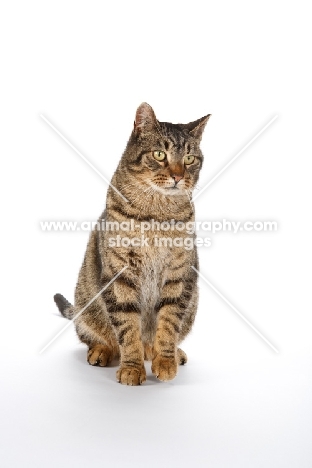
point(150, 308)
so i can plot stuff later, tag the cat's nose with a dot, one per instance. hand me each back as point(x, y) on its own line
point(176, 177)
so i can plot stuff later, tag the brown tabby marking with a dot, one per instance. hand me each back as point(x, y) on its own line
point(150, 308)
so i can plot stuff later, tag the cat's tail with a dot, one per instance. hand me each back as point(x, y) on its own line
point(65, 307)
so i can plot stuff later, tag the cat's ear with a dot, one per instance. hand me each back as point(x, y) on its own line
point(197, 127)
point(145, 119)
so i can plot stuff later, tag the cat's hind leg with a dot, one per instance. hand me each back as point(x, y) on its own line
point(100, 355)
point(99, 338)
point(182, 357)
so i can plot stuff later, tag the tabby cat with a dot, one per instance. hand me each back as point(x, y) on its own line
point(150, 307)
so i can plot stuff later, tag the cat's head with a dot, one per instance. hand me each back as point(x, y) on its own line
point(163, 155)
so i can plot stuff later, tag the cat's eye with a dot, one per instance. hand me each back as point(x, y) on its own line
point(188, 159)
point(159, 155)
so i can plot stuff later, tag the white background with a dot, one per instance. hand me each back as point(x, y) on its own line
point(87, 66)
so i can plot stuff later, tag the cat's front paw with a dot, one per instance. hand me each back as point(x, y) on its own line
point(131, 375)
point(164, 368)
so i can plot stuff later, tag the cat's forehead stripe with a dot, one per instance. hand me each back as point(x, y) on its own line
point(174, 135)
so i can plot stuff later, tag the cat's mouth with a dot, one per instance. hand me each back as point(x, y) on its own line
point(175, 187)
point(167, 187)
point(173, 190)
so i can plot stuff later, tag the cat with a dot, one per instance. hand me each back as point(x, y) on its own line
point(150, 307)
